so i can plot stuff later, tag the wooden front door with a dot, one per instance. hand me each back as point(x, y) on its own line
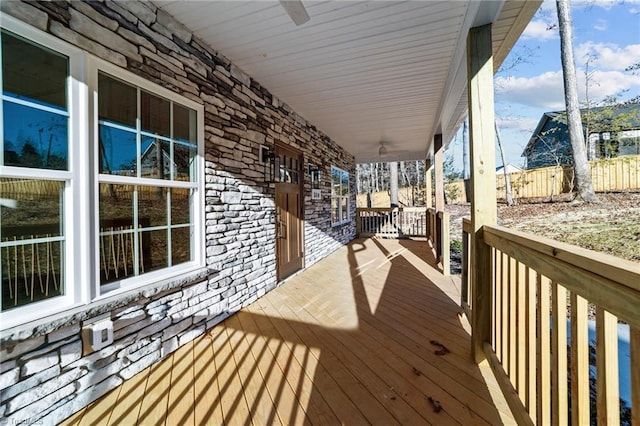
point(289, 209)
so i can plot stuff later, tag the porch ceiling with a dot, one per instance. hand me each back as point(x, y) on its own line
point(362, 72)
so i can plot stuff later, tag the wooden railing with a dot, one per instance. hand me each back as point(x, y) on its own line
point(408, 222)
point(540, 294)
point(392, 223)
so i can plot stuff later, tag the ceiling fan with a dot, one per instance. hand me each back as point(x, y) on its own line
point(296, 11)
point(384, 152)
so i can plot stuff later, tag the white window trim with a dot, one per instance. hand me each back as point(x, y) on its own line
point(81, 275)
point(340, 197)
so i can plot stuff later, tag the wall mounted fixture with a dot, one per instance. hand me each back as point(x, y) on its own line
point(269, 162)
point(315, 175)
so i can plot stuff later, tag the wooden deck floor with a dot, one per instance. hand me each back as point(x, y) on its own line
point(345, 342)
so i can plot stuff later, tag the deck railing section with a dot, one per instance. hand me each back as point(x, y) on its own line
point(408, 222)
point(392, 222)
point(540, 348)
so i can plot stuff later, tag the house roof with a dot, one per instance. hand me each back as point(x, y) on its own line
point(361, 71)
point(559, 116)
point(509, 167)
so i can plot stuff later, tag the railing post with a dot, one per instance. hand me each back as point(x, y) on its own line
point(483, 179)
point(358, 222)
point(445, 244)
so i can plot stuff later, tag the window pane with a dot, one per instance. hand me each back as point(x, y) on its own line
point(335, 217)
point(184, 124)
point(155, 114)
point(154, 250)
point(117, 101)
point(335, 181)
point(345, 183)
point(184, 157)
point(180, 206)
point(180, 245)
point(31, 251)
point(34, 138)
point(116, 207)
point(117, 151)
point(117, 254)
point(152, 206)
point(156, 158)
point(117, 246)
point(344, 210)
point(37, 212)
point(31, 272)
point(33, 72)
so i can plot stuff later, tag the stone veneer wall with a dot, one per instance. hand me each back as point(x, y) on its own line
point(44, 377)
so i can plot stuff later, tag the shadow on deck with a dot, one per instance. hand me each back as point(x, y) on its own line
point(347, 341)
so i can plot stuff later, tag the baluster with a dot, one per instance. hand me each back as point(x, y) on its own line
point(543, 352)
point(608, 392)
point(559, 351)
point(579, 361)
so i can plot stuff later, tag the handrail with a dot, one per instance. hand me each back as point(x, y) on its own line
point(605, 280)
point(408, 222)
point(392, 222)
point(535, 283)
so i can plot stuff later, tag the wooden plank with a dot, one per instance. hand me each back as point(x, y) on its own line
point(512, 321)
point(438, 159)
point(521, 333)
point(428, 171)
point(543, 351)
point(608, 403)
point(530, 344)
point(622, 271)
point(483, 178)
point(253, 384)
point(616, 296)
point(339, 369)
point(126, 410)
point(579, 361)
point(232, 401)
point(207, 407)
point(634, 348)
point(181, 396)
point(154, 405)
point(518, 409)
point(100, 410)
point(445, 244)
point(559, 354)
point(298, 366)
point(274, 398)
point(504, 314)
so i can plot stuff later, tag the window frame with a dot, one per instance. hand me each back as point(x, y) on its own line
point(340, 198)
point(81, 182)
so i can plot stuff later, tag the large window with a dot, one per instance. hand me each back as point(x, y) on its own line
point(147, 155)
point(99, 185)
point(339, 196)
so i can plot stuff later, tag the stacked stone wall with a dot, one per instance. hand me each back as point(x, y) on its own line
point(44, 375)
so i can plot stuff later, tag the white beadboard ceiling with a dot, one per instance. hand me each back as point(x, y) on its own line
point(361, 71)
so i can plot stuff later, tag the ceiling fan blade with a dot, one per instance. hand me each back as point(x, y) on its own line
point(296, 11)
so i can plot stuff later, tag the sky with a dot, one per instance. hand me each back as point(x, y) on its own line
point(606, 41)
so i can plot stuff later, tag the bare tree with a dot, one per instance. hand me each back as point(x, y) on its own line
point(584, 185)
point(507, 178)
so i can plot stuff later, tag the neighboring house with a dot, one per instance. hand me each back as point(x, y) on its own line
point(510, 168)
point(612, 132)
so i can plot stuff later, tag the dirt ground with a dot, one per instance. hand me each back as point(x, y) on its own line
point(611, 226)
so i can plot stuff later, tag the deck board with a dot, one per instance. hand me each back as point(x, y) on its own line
point(346, 341)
